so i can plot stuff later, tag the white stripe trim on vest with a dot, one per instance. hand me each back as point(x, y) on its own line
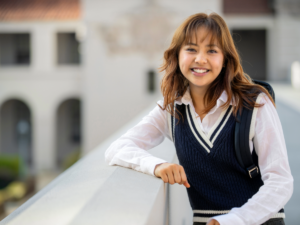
point(221, 128)
point(192, 129)
point(216, 123)
point(211, 211)
point(278, 215)
point(205, 219)
point(206, 139)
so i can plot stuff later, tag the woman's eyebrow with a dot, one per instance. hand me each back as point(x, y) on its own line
point(191, 44)
point(212, 45)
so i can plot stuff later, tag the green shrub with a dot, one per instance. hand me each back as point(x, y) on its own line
point(11, 168)
point(71, 158)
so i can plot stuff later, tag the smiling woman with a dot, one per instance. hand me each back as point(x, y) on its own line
point(204, 78)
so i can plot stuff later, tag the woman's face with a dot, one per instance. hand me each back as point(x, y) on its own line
point(200, 62)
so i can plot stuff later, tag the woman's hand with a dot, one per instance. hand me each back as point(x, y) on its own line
point(213, 222)
point(171, 173)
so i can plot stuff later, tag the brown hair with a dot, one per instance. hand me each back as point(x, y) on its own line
point(232, 79)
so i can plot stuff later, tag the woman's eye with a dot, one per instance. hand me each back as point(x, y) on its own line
point(212, 51)
point(191, 50)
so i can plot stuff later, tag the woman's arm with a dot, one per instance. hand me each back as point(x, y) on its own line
point(130, 150)
point(275, 171)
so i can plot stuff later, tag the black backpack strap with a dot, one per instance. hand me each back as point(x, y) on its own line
point(266, 86)
point(242, 148)
point(242, 130)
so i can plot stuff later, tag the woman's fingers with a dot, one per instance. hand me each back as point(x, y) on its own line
point(164, 177)
point(184, 178)
point(171, 173)
point(177, 175)
point(170, 176)
point(186, 184)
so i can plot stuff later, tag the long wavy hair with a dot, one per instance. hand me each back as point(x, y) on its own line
point(232, 78)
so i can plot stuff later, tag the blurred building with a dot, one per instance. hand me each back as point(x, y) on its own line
point(73, 72)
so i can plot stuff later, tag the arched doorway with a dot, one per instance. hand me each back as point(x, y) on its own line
point(68, 131)
point(16, 131)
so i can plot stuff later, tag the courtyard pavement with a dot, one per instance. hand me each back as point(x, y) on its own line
point(288, 108)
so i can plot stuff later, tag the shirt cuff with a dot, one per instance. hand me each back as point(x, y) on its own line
point(228, 219)
point(150, 163)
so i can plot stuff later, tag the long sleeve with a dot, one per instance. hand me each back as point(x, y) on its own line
point(130, 150)
point(270, 147)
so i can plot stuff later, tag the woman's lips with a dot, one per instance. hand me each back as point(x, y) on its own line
point(199, 73)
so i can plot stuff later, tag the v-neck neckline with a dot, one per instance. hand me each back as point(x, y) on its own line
point(207, 140)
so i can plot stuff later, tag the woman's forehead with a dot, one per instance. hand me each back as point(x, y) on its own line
point(200, 35)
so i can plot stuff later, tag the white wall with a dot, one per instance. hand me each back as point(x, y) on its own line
point(288, 48)
point(42, 85)
point(115, 84)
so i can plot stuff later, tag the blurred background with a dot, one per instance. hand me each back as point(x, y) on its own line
point(72, 72)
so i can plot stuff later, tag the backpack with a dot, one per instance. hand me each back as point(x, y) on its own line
point(241, 136)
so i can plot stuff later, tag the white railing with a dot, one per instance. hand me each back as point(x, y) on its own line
point(91, 192)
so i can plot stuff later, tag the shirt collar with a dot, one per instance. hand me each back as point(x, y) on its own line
point(187, 99)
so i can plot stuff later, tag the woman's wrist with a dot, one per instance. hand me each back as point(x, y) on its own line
point(155, 168)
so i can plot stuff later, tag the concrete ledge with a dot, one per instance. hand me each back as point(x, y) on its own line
point(91, 192)
point(287, 94)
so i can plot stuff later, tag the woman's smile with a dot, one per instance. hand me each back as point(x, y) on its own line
point(199, 71)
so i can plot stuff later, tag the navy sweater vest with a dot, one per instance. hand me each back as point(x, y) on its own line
point(218, 182)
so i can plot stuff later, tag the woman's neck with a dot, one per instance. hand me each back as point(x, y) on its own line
point(197, 95)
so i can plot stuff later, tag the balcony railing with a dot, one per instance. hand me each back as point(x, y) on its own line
point(91, 192)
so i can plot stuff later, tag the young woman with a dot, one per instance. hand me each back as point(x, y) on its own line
point(204, 88)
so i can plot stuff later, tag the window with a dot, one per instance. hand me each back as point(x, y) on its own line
point(151, 81)
point(14, 49)
point(252, 48)
point(67, 49)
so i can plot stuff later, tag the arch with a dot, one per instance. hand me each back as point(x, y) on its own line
point(16, 130)
point(65, 97)
point(19, 97)
point(68, 131)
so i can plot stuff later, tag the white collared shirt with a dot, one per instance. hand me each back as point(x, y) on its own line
point(130, 150)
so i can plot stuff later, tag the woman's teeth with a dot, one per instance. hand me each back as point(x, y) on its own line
point(200, 70)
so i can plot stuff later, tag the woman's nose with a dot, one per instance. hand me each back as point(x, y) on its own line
point(201, 58)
